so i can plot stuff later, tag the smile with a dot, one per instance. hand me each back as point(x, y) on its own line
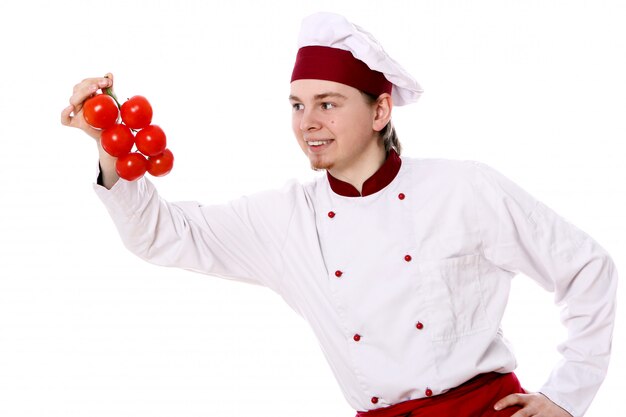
point(317, 142)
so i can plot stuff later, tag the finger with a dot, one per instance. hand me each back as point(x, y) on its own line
point(87, 88)
point(509, 400)
point(81, 93)
point(66, 115)
point(109, 77)
point(111, 90)
point(100, 82)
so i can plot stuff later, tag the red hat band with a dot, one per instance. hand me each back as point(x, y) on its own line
point(332, 64)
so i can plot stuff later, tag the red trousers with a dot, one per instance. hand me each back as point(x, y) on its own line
point(475, 398)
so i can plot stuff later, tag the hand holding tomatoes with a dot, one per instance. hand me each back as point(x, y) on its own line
point(73, 115)
point(102, 111)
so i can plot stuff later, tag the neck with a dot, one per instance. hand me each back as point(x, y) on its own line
point(359, 171)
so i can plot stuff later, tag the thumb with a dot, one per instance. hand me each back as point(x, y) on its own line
point(110, 88)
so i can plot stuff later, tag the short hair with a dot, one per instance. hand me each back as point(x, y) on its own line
point(388, 133)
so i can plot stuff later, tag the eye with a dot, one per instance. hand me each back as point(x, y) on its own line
point(327, 106)
point(297, 106)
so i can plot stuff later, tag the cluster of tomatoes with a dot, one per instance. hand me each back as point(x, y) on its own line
point(102, 111)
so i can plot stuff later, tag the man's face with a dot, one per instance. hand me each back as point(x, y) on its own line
point(333, 124)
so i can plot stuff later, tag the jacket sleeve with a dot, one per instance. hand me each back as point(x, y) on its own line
point(522, 235)
point(241, 240)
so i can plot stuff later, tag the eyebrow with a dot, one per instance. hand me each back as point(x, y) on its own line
point(321, 96)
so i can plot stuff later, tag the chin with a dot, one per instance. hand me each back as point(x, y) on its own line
point(320, 164)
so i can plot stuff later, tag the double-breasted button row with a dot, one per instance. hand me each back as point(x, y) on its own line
point(357, 337)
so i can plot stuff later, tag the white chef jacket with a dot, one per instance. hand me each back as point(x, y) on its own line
point(405, 288)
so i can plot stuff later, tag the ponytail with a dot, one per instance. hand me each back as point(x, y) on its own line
point(388, 134)
point(390, 138)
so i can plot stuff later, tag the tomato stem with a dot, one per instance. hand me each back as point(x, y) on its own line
point(109, 92)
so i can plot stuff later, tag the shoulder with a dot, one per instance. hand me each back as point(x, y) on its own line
point(442, 169)
point(451, 177)
point(438, 163)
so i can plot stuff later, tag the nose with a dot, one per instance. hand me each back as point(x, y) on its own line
point(309, 121)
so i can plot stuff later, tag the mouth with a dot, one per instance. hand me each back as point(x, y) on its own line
point(318, 145)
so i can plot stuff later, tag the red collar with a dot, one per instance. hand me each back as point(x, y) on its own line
point(381, 178)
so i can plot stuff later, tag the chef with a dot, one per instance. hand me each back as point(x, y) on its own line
point(402, 266)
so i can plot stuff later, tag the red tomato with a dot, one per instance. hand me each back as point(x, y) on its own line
point(136, 112)
point(117, 140)
point(100, 111)
point(151, 140)
point(131, 166)
point(161, 164)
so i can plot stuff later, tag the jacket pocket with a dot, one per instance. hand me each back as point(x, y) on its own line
point(452, 297)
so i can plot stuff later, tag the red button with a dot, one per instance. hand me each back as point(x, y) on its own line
point(357, 337)
point(331, 214)
point(419, 325)
point(401, 196)
point(429, 392)
point(338, 273)
point(408, 258)
point(374, 400)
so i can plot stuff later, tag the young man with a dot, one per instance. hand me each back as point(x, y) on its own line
point(401, 266)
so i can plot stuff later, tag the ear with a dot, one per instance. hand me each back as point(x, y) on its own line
point(382, 108)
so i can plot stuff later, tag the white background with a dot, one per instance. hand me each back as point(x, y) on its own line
point(535, 89)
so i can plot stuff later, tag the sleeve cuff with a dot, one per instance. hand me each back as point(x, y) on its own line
point(99, 180)
point(555, 398)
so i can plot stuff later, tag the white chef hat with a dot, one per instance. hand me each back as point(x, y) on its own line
point(331, 48)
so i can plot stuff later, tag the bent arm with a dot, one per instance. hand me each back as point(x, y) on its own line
point(522, 235)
